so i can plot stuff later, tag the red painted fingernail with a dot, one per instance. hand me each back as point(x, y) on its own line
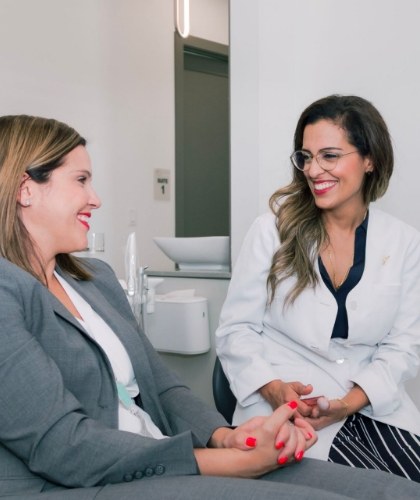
point(309, 436)
point(282, 460)
point(279, 445)
point(299, 456)
point(251, 442)
point(293, 405)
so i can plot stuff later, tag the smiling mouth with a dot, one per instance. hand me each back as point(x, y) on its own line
point(84, 218)
point(322, 187)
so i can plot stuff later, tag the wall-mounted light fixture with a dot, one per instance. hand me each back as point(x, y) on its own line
point(182, 10)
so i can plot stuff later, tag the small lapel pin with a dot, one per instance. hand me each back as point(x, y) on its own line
point(385, 259)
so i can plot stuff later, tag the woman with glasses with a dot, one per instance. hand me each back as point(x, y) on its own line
point(324, 301)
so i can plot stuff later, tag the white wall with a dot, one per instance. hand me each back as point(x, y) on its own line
point(284, 55)
point(106, 67)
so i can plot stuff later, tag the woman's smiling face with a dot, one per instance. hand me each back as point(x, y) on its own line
point(340, 188)
point(58, 216)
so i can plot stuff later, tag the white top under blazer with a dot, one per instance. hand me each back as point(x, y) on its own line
point(258, 343)
point(139, 421)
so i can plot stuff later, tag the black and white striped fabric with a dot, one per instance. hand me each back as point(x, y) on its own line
point(365, 443)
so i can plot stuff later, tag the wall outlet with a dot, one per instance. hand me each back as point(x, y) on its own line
point(132, 217)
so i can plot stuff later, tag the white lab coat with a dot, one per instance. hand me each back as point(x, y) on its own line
point(258, 343)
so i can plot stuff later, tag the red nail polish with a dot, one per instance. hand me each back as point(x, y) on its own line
point(299, 456)
point(309, 436)
point(292, 404)
point(279, 445)
point(282, 460)
point(251, 442)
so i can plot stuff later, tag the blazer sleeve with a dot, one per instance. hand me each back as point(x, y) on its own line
point(182, 409)
point(238, 340)
point(44, 424)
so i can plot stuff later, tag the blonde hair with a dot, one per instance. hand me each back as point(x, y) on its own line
point(298, 219)
point(36, 146)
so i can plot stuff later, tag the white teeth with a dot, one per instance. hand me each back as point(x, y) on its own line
point(83, 217)
point(324, 185)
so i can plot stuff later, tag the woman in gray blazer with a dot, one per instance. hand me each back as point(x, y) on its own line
point(88, 410)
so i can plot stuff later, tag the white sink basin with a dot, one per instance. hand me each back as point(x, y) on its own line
point(207, 253)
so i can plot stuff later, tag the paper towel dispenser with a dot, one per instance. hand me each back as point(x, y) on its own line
point(179, 324)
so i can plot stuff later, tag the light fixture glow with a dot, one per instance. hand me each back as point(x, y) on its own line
point(185, 31)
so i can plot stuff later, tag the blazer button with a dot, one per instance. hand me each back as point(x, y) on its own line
point(159, 469)
point(148, 472)
point(128, 477)
point(138, 474)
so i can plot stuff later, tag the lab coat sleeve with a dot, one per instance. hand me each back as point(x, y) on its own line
point(397, 356)
point(238, 339)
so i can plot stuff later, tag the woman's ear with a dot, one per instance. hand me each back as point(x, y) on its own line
point(24, 193)
point(368, 165)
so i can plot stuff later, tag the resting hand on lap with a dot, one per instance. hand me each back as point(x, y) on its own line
point(258, 446)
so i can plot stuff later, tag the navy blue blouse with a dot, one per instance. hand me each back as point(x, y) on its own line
point(341, 325)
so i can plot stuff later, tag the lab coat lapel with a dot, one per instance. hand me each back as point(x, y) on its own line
point(376, 254)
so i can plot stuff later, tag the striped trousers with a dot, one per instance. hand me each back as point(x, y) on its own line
point(365, 443)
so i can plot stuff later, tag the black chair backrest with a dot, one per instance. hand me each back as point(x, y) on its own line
point(224, 399)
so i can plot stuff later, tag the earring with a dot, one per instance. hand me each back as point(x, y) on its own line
point(368, 172)
point(27, 202)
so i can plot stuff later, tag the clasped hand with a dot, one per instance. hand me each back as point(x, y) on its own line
point(325, 412)
point(278, 392)
point(270, 442)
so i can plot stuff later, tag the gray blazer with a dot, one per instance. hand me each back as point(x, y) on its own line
point(59, 407)
point(58, 399)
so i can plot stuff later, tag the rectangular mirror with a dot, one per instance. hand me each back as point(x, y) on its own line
point(202, 189)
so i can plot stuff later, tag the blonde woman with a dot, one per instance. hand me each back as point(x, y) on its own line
point(324, 302)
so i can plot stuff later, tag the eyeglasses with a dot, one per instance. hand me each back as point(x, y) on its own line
point(327, 160)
